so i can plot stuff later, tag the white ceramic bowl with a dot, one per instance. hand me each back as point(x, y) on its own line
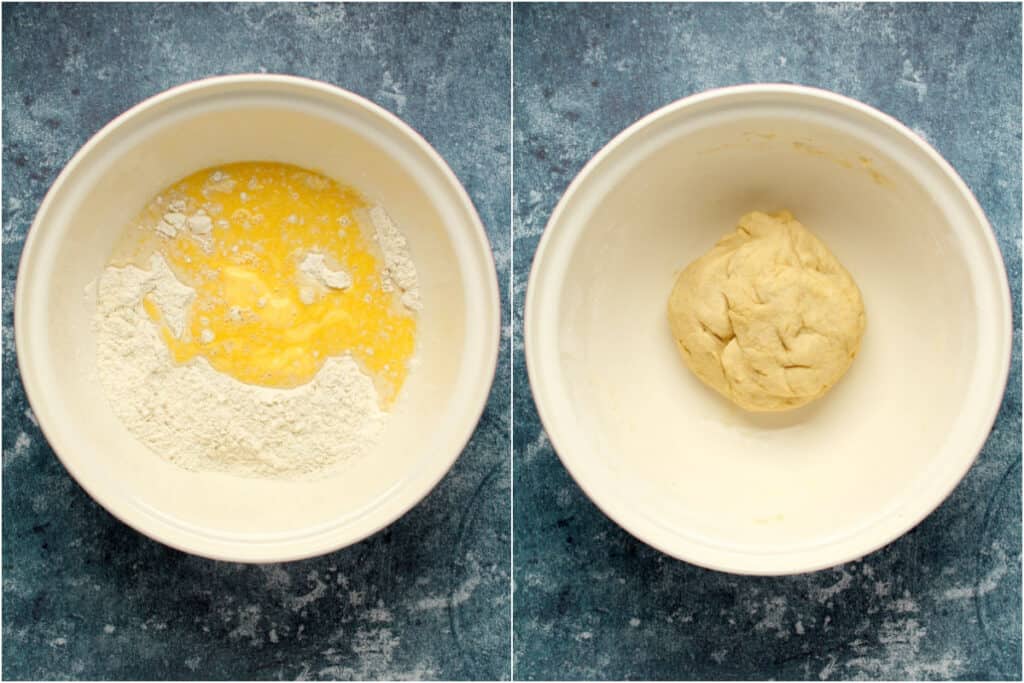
point(677, 465)
point(263, 118)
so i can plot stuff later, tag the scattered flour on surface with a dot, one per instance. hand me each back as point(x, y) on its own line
point(201, 419)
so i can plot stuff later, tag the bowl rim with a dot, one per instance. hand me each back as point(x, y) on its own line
point(331, 540)
point(532, 338)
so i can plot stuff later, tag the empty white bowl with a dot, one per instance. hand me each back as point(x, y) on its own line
point(676, 464)
point(257, 118)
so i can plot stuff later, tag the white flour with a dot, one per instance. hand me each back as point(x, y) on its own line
point(204, 420)
point(201, 419)
point(399, 271)
point(314, 267)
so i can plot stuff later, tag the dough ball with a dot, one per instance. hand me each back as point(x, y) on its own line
point(768, 318)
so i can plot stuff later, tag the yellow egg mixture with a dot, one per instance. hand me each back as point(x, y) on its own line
point(257, 316)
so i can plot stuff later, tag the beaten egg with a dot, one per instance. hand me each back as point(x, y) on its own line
point(287, 273)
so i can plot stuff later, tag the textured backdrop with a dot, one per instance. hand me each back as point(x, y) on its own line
point(85, 596)
point(593, 602)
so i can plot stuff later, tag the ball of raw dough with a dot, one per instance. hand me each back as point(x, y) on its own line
point(768, 318)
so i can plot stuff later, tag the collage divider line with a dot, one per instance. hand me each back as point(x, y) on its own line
point(511, 342)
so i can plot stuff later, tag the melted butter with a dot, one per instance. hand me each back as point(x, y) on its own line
point(256, 316)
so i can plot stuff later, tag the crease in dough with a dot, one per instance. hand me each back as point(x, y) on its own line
point(769, 318)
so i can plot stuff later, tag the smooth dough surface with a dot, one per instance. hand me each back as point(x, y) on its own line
point(768, 318)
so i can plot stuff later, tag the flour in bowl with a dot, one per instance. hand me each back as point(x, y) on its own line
point(254, 341)
point(201, 419)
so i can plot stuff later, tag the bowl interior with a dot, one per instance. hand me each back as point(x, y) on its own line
point(270, 120)
point(678, 465)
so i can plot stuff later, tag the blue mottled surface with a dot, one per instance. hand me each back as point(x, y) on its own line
point(85, 596)
point(942, 602)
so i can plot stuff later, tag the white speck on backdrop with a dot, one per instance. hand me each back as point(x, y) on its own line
point(911, 78)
